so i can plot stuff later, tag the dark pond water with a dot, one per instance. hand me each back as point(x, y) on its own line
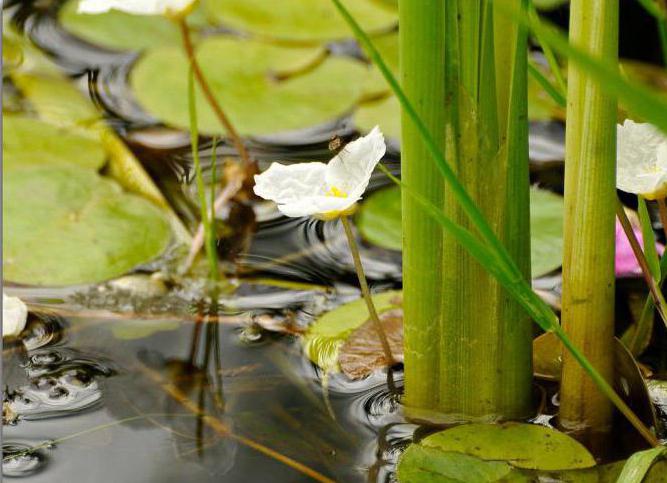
point(195, 393)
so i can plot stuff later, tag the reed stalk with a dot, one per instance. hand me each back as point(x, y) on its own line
point(422, 52)
point(590, 199)
point(463, 334)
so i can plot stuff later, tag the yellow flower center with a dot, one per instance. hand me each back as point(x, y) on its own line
point(337, 193)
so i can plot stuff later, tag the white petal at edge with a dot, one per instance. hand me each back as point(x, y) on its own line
point(289, 183)
point(350, 170)
point(316, 205)
point(14, 316)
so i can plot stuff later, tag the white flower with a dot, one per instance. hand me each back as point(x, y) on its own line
point(14, 316)
point(641, 160)
point(171, 8)
point(326, 190)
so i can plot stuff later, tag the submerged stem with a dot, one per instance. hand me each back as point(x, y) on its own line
point(365, 291)
point(658, 299)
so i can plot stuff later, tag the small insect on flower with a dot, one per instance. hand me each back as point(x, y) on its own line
point(641, 160)
point(169, 8)
point(324, 190)
point(335, 143)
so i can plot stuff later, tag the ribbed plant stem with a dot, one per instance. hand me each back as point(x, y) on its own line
point(590, 200)
point(422, 52)
point(481, 365)
point(365, 291)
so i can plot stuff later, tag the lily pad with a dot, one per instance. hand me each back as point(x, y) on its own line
point(29, 141)
point(66, 225)
point(421, 464)
point(379, 221)
point(505, 446)
point(243, 77)
point(367, 115)
point(300, 20)
point(546, 231)
point(324, 338)
point(362, 353)
point(123, 31)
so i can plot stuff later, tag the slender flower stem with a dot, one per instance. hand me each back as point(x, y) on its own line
point(662, 210)
point(658, 299)
point(365, 291)
point(210, 97)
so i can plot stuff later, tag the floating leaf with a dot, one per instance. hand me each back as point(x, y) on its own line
point(546, 231)
point(329, 332)
point(242, 74)
point(369, 113)
point(299, 20)
point(379, 219)
point(28, 141)
point(420, 464)
point(362, 353)
point(65, 225)
point(123, 31)
point(639, 464)
point(379, 222)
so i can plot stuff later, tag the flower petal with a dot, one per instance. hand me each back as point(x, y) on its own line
point(315, 205)
point(350, 170)
point(14, 316)
point(640, 169)
point(138, 7)
point(290, 183)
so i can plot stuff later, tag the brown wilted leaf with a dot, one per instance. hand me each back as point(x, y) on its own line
point(362, 353)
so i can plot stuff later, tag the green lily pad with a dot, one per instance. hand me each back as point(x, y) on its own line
point(379, 221)
point(420, 464)
point(488, 452)
point(324, 338)
point(242, 74)
point(527, 446)
point(123, 31)
point(29, 141)
point(387, 46)
point(65, 225)
point(546, 231)
point(384, 111)
point(300, 20)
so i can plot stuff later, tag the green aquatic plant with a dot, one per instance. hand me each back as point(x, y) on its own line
point(590, 192)
point(486, 248)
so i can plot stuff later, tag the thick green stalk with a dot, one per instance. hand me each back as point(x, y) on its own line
point(422, 52)
point(485, 137)
point(488, 251)
point(590, 200)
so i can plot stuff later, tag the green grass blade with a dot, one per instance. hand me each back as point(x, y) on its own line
point(549, 55)
point(653, 8)
point(201, 189)
point(648, 236)
point(639, 464)
point(646, 103)
point(548, 87)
